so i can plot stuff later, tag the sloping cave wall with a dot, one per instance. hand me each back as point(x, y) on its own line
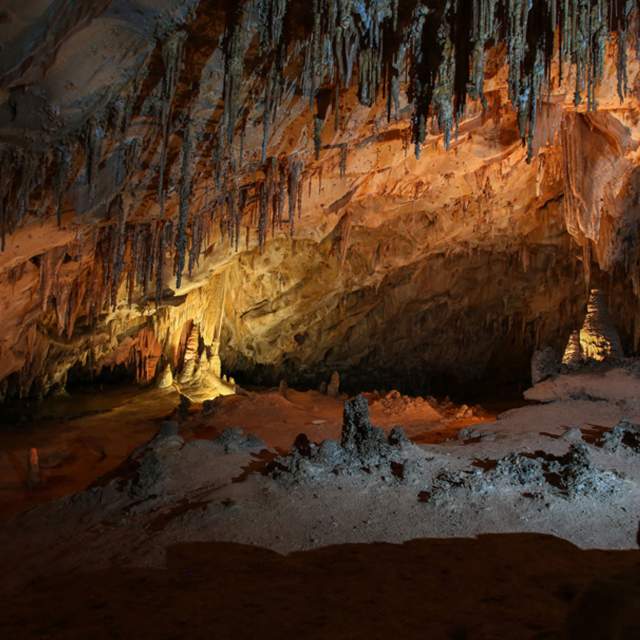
point(187, 163)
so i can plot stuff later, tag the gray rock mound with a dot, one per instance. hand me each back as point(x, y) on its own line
point(623, 438)
point(363, 448)
point(235, 440)
point(544, 364)
point(570, 476)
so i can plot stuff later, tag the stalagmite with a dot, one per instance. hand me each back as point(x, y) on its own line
point(165, 379)
point(191, 355)
point(572, 356)
point(599, 339)
point(333, 388)
point(34, 478)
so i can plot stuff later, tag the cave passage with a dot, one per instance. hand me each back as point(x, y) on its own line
point(320, 311)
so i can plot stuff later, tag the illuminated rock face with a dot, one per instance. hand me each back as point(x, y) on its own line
point(599, 339)
point(572, 356)
point(313, 240)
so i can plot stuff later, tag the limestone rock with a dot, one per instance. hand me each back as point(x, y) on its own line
point(544, 364)
point(333, 388)
point(572, 357)
point(599, 338)
point(34, 479)
point(165, 379)
point(191, 355)
point(235, 440)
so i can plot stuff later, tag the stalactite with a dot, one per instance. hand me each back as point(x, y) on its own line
point(344, 154)
point(133, 267)
point(118, 247)
point(295, 169)
point(197, 233)
point(64, 165)
point(5, 187)
point(163, 234)
point(28, 167)
point(234, 211)
point(443, 92)
point(185, 197)
point(234, 69)
point(149, 259)
point(172, 54)
point(317, 135)
point(271, 14)
point(442, 47)
point(94, 137)
point(484, 29)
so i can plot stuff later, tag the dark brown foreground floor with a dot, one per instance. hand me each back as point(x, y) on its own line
point(496, 586)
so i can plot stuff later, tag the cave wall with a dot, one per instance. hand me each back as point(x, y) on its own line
point(178, 162)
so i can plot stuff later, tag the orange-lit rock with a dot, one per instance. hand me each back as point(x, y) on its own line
point(430, 270)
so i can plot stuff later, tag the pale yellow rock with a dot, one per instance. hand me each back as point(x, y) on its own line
point(165, 379)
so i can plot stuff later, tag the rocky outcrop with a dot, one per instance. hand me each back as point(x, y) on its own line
point(544, 364)
point(363, 448)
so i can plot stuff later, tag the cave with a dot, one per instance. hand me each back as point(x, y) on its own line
point(320, 319)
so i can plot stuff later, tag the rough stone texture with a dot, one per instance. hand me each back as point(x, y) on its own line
point(333, 388)
point(234, 440)
point(599, 339)
point(572, 356)
point(544, 364)
point(624, 437)
point(363, 448)
point(570, 476)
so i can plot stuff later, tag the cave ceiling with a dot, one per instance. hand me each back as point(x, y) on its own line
point(390, 189)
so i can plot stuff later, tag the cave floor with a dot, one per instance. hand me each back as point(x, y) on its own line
point(88, 434)
point(206, 543)
point(79, 438)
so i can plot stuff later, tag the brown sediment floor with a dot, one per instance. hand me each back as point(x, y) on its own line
point(79, 438)
point(84, 436)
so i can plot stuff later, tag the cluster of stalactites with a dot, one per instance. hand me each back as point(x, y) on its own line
point(440, 48)
point(448, 46)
